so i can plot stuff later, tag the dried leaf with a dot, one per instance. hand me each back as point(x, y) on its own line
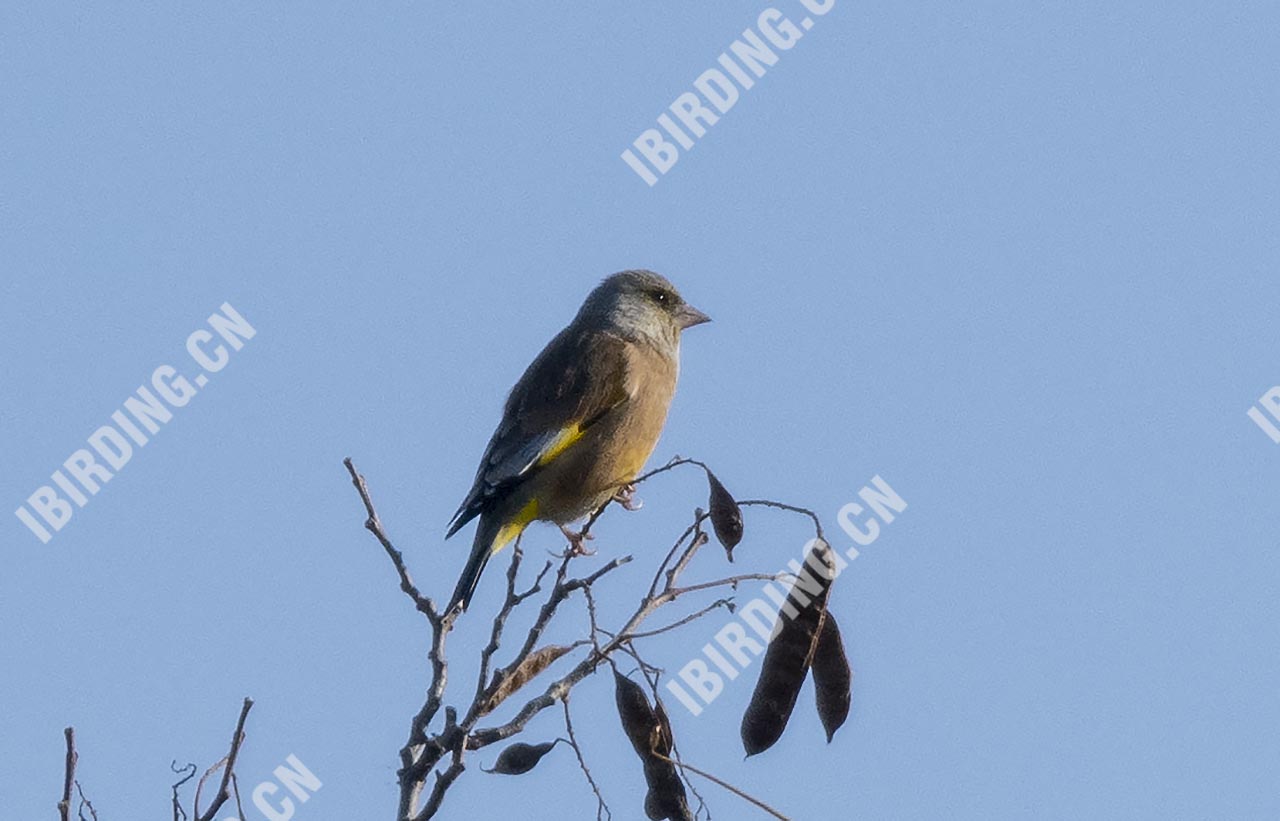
point(790, 653)
point(533, 664)
point(726, 516)
point(520, 758)
point(832, 677)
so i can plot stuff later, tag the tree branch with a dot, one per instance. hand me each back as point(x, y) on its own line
point(69, 774)
point(374, 525)
point(724, 784)
point(602, 809)
point(425, 750)
point(85, 803)
point(187, 772)
point(228, 765)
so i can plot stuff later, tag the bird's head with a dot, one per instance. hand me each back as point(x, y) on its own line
point(641, 306)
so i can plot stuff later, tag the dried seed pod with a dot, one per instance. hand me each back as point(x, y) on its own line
point(832, 678)
point(666, 799)
point(663, 740)
point(787, 660)
point(649, 731)
point(726, 516)
point(639, 721)
point(519, 758)
point(533, 664)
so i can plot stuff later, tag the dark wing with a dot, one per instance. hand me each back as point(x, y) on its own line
point(578, 378)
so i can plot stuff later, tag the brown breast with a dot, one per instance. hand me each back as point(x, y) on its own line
point(616, 448)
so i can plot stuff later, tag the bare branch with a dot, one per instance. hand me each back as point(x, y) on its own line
point(374, 525)
point(187, 772)
point(726, 785)
point(426, 750)
point(731, 581)
point(85, 803)
point(69, 774)
point(672, 464)
point(557, 690)
point(698, 518)
point(602, 809)
point(500, 620)
point(804, 511)
point(422, 751)
point(235, 790)
point(715, 605)
point(443, 782)
point(228, 765)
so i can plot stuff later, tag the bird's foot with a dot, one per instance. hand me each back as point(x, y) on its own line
point(626, 496)
point(578, 542)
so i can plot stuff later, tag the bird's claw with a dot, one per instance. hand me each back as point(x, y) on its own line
point(578, 542)
point(626, 497)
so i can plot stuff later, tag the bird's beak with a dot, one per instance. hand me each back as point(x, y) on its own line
point(688, 316)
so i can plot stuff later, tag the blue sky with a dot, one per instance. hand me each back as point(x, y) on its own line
point(1018, 259)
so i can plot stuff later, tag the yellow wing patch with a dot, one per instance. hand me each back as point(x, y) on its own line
point(515, 527)
point(563, 441)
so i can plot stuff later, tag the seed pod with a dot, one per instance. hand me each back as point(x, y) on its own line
point(786, 662)
point(663, 740)
point(726, 516)
point(666, 799)
point(649, 731)
point(639, 721)
point(533, 664)
point(832, 678)
point(519, 758)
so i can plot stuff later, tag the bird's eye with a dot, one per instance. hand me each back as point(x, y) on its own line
point(661, 297)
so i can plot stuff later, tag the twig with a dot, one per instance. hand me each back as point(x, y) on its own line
point(699, 539)
point(374, 525)
point(602, 809)
point(218, 765)
point(229, 767)
point(235, 790)
point(556, 690)
point(592, 620)
point(500, 620)
point(804, 511)
point(85, 803)
point(673, 463)
point(443, 782)
point(726, 785)
point(425, 751)
point(189, 771)
point(647, 670)
point(651, 675)
point(671, 554)
point(421, 752)
point(731, 581)
point(715, 605)
point(69, 774)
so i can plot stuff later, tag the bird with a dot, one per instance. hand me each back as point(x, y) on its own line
point(581, 422)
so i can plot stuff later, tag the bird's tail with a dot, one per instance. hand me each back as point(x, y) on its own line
point(492, 535)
